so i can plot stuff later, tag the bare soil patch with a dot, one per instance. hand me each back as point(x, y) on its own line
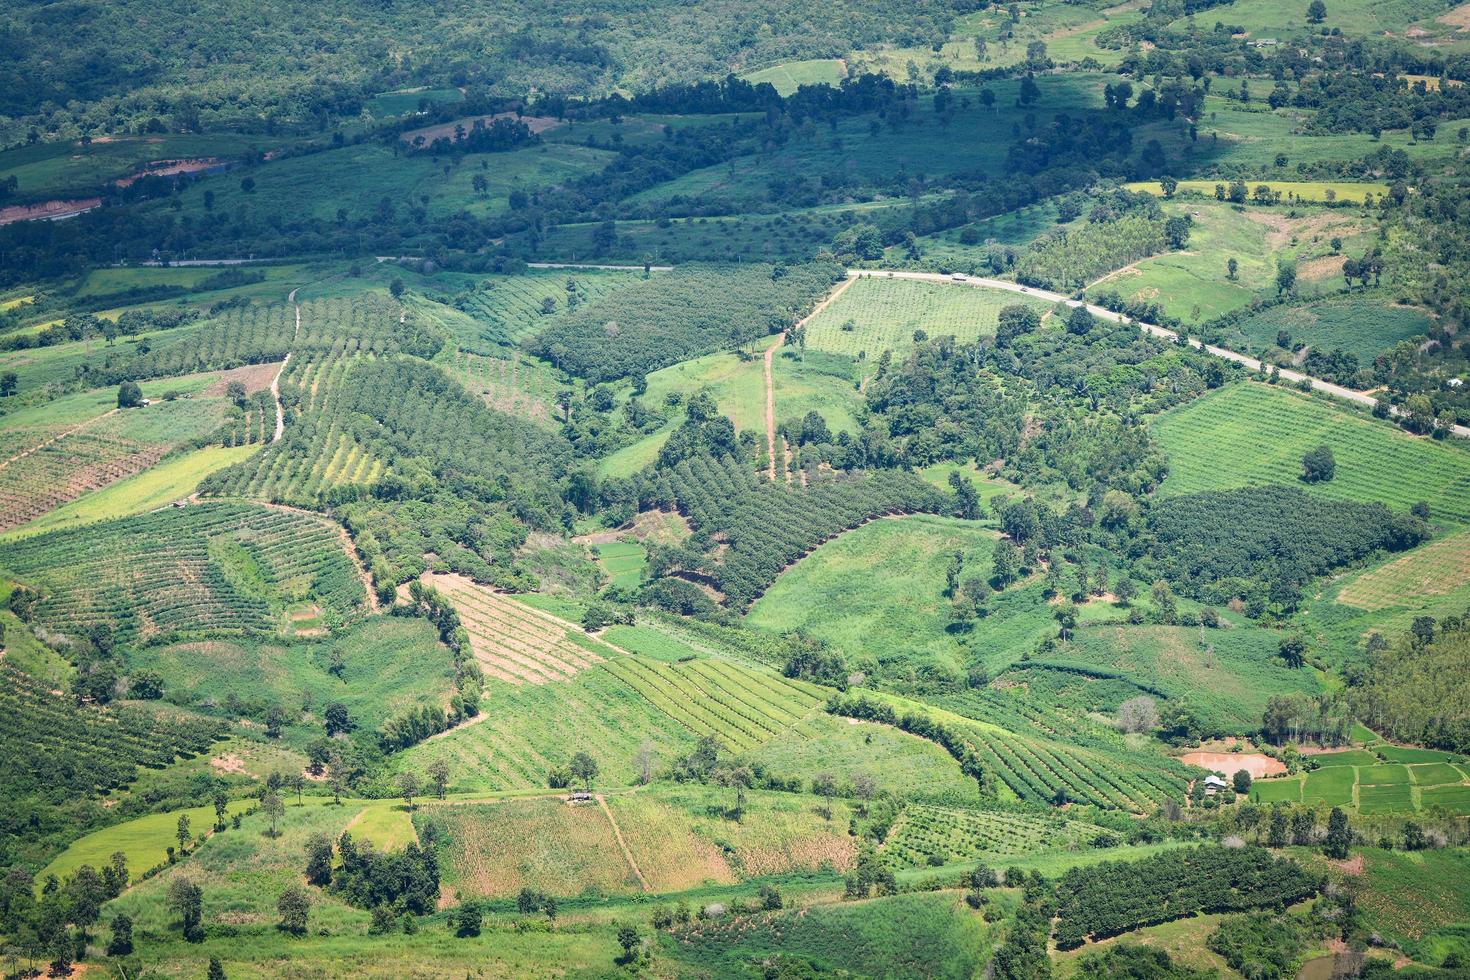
point(1326, 267)
point(171, 168)
point(1459, 18)
point(229, 762)
point(255, 377)
point(1229, 762)
point(49, 210)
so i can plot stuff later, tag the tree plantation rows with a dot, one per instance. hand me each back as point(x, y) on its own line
point(199, 570)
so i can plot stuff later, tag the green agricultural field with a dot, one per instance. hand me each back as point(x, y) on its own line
point(1314, 191)
point(1193, 284)
point(530, 729)
point(651, 641)
point(1332, 787)
point(404, 101)
point(683, 835)
point(875, 314)
point(814, 381)
point(173, 479)
point(787, 77)
point(144, 841)
point(1254, 434)
point(623, 562)
point(65, 169)
point(1225, 675)
point(1362, 326)
point(927, 835)
point(929, 935)
point(828, 594)
point(357, 178)
point(214, 569)
point(390, 665)
point(896, 762)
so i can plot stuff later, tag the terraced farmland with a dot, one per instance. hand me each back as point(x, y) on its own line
point(513, 642)
point(739, 706)
point(875, 314)
point(219, 568)
point(925, 833)
point(1253, 435)
point(1358, 779)
point(48, 470)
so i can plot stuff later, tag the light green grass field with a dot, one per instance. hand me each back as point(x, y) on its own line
point(829, 595)
point(391, 665)
point(155, 487)
point(1362, 325)
point(1316, 191)
point(623, 561)
point(787, 77)
point(883, 314)
point(144, 841)
point(1253, 434)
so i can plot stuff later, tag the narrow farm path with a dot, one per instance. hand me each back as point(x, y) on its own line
point(276, 381)
point(771, 409)
point(770, 383)
point(1326, 387)
point(618, 833)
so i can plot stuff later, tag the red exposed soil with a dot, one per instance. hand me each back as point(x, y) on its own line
point(1229, 762)
point(49, 210)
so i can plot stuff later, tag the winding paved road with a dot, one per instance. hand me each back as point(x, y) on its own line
point(1296, 377)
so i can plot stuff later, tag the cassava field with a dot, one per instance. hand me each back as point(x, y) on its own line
point(761, 490)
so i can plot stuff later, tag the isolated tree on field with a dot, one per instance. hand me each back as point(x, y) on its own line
point(9, 384)
point(1166, 607)
point(216, 969)
point(396, 288)
point(738, 778)
point(439, 776)
point(1242, 781)
point(645, 761)
point(319, 860)
point(1316, 12)
point(335, 718)
point(1005, 563)
point(1285, 277)
point(1140, 714)
point(408, 787)
point(1125, 590)
point(1339, 835)
point(293, 906)
point(86, 893)
point(1293, 650)
point(824, 784)
point(186, 900)
point(584, 768)
point(629, 940)
point(1318, 465)
point(274, 809)
point(129, 395)
point(297, 782)
point(1168, 185)
point(183, 833)
point(466, 920)
point(966, 498)
point(121, 943)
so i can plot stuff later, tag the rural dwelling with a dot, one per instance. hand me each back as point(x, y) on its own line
point(1214, 782)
